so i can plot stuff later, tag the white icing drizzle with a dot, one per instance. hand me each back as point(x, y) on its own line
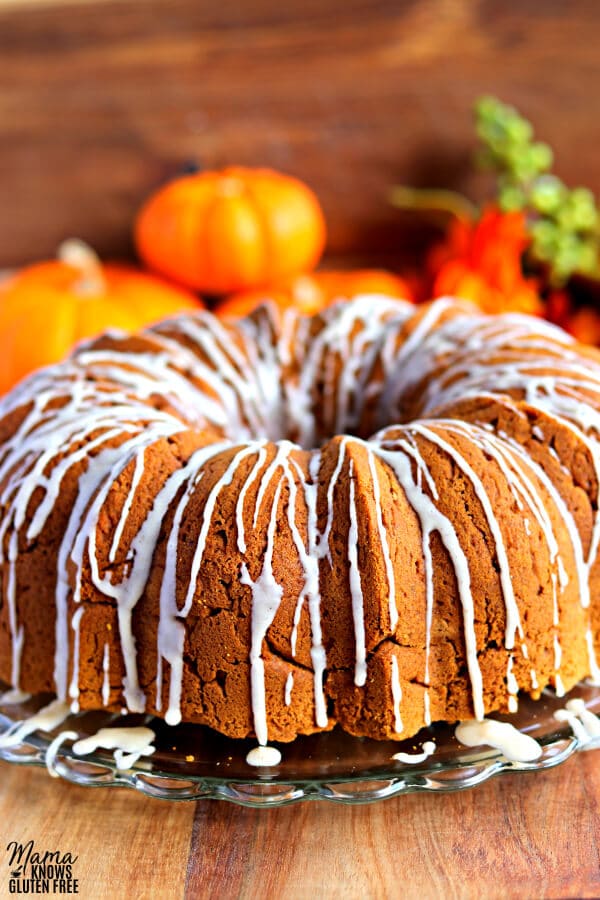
point(431, 519)
point(266, 597)
point(426, 705)
point(396, 695)
point(92, 414)
point(358, 606)
point(13, 696)
point(106, 675)
point(406, 361)
point(513, 621)
point(309, 558)
point(45, 719)
point(584, 724)
point(594, 668)
point(513, 354)
point(413, 759)
point(558, 684)
point(513, 464)
point(289, 686)
point(239, 513)
point(325, 538)
point(503, 736)
point(99, 415)
point(17, 631)
point(74, 686)
point(228, 373)
point(263, 757)
point(171, 630)
point(129, 744)
point(342, 353)
point(53, 748)
point(135, 481)
point(512, 685)
point(384, 541)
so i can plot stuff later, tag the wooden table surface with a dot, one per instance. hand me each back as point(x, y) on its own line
point(522, 835)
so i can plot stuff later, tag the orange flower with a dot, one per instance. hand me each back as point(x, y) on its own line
point(584, 325)
point(482, 262)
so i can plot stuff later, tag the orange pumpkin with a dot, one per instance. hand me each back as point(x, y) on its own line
point(48, 307)
point(231, 230)
point(311, 293)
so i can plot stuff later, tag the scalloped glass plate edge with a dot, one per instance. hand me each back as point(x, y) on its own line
point(459, 769)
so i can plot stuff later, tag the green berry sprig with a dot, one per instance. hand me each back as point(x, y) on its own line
point(564, 223)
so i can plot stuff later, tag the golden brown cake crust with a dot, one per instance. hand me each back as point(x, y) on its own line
point(380, 517)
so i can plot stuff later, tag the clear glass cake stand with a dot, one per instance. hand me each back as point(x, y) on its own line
point(192, 763)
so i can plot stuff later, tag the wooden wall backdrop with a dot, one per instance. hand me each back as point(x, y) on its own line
point(101, 101)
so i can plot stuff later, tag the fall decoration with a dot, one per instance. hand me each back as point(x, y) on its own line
point(48, 307)
point(564, 223)
point(232, 230)
point(481, 262)
point(311, 293)
point(584, 325)
point(517, 252)
point(566, 310)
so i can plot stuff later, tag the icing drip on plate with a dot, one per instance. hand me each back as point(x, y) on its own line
point(584, 724)
point(14, 696)
point(45, 719)
point(263, 756)
point(129, 744)
point(414, 759)
point(503, 736)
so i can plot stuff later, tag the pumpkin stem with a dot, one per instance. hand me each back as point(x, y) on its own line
point(433, 201)
point(80, 256)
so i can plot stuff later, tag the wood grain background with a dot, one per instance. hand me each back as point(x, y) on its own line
point(99, 102)
point(520, 836)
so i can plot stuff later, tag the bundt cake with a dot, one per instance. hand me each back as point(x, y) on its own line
point(379, 517)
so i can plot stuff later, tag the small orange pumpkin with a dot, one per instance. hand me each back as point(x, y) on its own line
point(231, 230)
point(48, 307)
point(312, 293)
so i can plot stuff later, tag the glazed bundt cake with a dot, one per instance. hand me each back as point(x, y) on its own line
point(379, 517)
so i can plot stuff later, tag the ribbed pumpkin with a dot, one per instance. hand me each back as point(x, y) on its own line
point(231, 230)
point(312, 293)
point(48, 307)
